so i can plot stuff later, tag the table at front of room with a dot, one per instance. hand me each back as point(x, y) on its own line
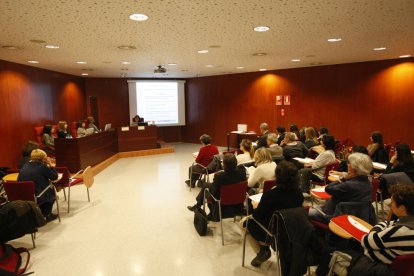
point(234, 138)
point(137, 138)
point(78, 153)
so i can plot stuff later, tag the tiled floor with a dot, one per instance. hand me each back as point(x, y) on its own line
point(137, 223)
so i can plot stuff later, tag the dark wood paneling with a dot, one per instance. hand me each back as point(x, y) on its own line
point(170, 134)
point(31, 97)
point(134, 139)
point(352, 100)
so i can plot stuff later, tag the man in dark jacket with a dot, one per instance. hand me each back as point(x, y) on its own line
point(262, 141)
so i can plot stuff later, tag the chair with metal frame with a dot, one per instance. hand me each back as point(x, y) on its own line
point(203, 174)
point(68, 181)
point(230, 195)
point(268, 185)
point(330, 167)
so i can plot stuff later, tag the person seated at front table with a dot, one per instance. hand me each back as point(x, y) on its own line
point(376, 150)
point(204, 157)
point(80, 128)
point(47, 139)
point(63, 130)
point(230, 175)
point(315, 170)
point(355, 188)
point(275, 150)
point(293, 148)
point(264, 130)
point(386, 240)
point(265, 169)
point(284, 195)
point(91, 124)
point(246, 146)
point(26, 152)
point(40, 170)
point(310, 138)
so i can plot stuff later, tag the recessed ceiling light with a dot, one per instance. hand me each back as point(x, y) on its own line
point(261, 28)
point(37, 41)
point(32, 61)
point(379, 49)
point(50, 46)
point(239, 67)
point(209, 65)
point(126, 62)
point(84, 74)
point(405, 56)
point(11, 47)
point(295, 59)
point(81, 62)
point(259, 54)
point(138, 17)
point(263, 69)
point(172, 64)
point(334, 39)
point(202, 51)
point(127, 47)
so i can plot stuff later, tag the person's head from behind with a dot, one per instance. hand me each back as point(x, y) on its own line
point(376, 137)
point(229, 162)
point(80, 124)
point(247, 146)
point(360, 149)
point(310, 133)
point(404, 155)
point(47, 129)
point(359, 164)
point(293, 128)
point(328, 142)
point(264, 127)
point(38, 155)
point(62, 125)
point(91, 120)
point(287, 175)
point(205, 139)
point(402, 199)
point(28, 148)
point(323, 131)
point(271, 139)
point(262, 155)
point(280, 130)
point(290, 137)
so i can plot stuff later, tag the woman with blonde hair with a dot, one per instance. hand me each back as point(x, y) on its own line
point(265, 169)
point(248, 152)
point(311, 139)
point(40, 170)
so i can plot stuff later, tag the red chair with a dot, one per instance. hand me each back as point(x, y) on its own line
point(268, 184)
point(55, 130)
point(38, 134)
point(73, 129)
point(403, 265)
point(230, 195)
point(67, 181)
point(330, 167)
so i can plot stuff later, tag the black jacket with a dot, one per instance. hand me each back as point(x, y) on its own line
point(262, 141)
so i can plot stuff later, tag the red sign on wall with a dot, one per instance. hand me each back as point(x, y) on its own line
point(279, 100)
point(286, 100)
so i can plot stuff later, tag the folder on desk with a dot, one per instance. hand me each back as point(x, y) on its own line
point(320, 193)
point(350, 225)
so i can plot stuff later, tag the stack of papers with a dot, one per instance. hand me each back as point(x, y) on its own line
point(304, 160)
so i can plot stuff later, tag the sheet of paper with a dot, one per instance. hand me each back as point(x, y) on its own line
point(358, 225)
point(195, 154)
point(256, 197)
point(321, 189)
point(304, 160)
point(379, 165)
point(334, 176)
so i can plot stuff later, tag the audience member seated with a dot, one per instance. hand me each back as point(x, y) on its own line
point(401, 161)
point(310, 138)
point(204, 157)
point(275, 150)
point(281, 132)
point(294, 128)
point(80, 128)
point(343, 164)
point(265, 169)
point(322, 131)
point(376, 150)
point(386, 240)
point(284, 195)
point(293, 148)
point(262, 141)
point(315, 171)
point(91, 124)
point(40, 170)
point(63, 130)
point(230, 175)
point(48, 140)
point(26, 152)
point(248, 152)
point(355, 188)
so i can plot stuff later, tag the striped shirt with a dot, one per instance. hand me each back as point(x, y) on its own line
point(385, 242)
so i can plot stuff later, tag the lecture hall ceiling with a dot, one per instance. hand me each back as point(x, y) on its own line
point(92, 31)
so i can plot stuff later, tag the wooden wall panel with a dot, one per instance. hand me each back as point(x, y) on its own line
point(31, 97)
point(352, 100)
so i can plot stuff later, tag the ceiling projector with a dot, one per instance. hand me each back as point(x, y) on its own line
point(159, 69)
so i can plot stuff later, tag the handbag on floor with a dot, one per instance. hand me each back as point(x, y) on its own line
point(11, 260)
point(200, 221)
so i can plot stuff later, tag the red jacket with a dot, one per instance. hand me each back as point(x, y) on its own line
point(205, 154)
